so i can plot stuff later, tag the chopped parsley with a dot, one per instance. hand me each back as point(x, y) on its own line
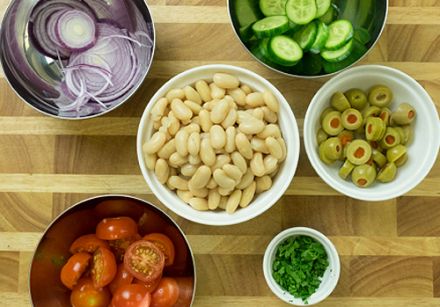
point(300, 263)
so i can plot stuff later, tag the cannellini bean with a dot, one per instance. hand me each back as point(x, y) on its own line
point(182, 142)
point(246, 89)
point(192, 94)
point(258, 113)
point(155, 143)
point(274, 147)
point(233, 172)
point(270, 163)
point(198, 203)
point(173, 125)
point(255, 99)
point(201, 177)
point(230, 139)
point(203, 192)
point(263, 184)
point(259, 145)
point(226, 81)
point(184, 195)
point(223, 180)
point(221, 160)
point(175, 93)
point(270, 130)
point(204, 135)
point(203, 90)
point(239, 161)
point(180, 110)
point(230, 119)
point(195, 120)
point(178, 183)
point(162, 170)
point(205, 120)
point(167, 150)
point(217, 92)
point(194, 143)
point(211, 184)
point(157, 124)
point(194, 107)
point(219, 112)
point(231, 102)
point(188, 169)
point(207, 154)
point(193, 127)
point(213, 199)
point(243, 146)
point(223, 202)
point(248, 195)
point(275, 171)
point(150, 161)
point(225, 192)
point(194, 160)
point(218, 137)
point(177, 160)
point(269, 115)
point(233, 201)
point(211, 104)
point(159, 109)
point(238, 95)
point(283, 148)
point(257, 165)
point(252, 126)
point(271, 101)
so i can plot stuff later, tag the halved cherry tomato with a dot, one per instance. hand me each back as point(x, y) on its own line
point(123, 277)
point(164, 244)
point(133, 295)
point(144, 260)
point(151, 285)
point(103, 267)
point(118, 247)
point(84, 294)
point(116, 228)
point(74, 268)
point(87, 243)
point(186, 291)
point(166, 294)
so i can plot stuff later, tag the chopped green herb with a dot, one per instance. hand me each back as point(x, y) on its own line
point(300, 263)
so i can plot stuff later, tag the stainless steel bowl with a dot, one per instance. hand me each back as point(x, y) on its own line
point(46, 289)
point(34, 76)
point(372, 12)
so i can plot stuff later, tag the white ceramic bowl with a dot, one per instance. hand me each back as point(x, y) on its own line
point(331, 275)
point(422, 152)
point(263, 201)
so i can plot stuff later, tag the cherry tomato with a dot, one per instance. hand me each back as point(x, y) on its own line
point(123, 277)
point(186, 290)
point(116, 228)
point(74, 268)
point(103, 267)
point(166, 294)
point(151, 285)
point(133, 295)
point(164, 244)
point(144, 260)
point(84, 294)
point(87, 243)
point(118, 247)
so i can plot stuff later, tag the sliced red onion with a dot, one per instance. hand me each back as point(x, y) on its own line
point(76, 30)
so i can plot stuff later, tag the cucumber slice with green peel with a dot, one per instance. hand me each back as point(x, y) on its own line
point(246, 12)
point(358, 51)
point(260, 51)
point(340, 32)
point(273, 7)
point(306, 36)
point(330, 15)
point(246, 33)
point(321, 37)
point(322, 6)
point(270, 26)
point(284, 51)
point(301, 11)
point(362, 35)
point(339, 55)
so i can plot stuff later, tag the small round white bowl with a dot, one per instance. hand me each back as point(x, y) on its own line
point(331, 275)
point(263, 201)
point(422, 152)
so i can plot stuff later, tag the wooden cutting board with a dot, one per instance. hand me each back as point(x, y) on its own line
point(390, 251)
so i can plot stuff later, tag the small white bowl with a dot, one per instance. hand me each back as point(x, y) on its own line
point(263, 201)
point(422, 152)
point(329, 279)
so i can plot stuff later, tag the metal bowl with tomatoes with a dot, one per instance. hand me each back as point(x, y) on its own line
point(116, 251)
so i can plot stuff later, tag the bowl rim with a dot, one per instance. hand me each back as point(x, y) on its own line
point(197, 216)
point(311, 150)
point(318, 236)
point(142, 79)
point(125, 196)
point(303, 76)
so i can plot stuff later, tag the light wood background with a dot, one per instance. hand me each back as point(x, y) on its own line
point(390, 251)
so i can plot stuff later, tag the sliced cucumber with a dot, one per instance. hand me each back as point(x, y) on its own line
point(284, 50)
point(301, 11)
point(270, 26)
point(322, 6)
point(321, 37)
point(306, 36)
point(340, 32)
point(273, 7)
point(246, 12)
point(260, 51)
point(334, 56)
point(357, 52)
point(330, 15)
point(246, 33)
point(362, 35)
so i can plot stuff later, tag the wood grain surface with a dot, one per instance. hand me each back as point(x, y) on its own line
point(390, 251)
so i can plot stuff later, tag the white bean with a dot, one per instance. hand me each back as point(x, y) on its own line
point(223, 180)
point(270, 130)
point(217, 92)
point(175, 93)
point(225, 192)
point(259, 145)
point(194, 143)
point(213, 199)
point(184, 195)
point(201, 177)
point(243, 146)
point(253, 126)
point(191, 94)
point(230, 139)
point(167, 150)
point(238, 95)
point(173, 125)
point(176, 160)
point(221, 160)
point(230, 119)
point(202, 193)
point(150, 161)
point(194, 107)
point(239, 161)
point(194, 160)
point(205, 120)
point(258, 113)
point(226, 81)
point(162, 171)
point(269, 115)
point(270, 164)
point(188, 170)
point(255, 99)
point(193, 127)
point(219, 112)
point(223, 202)
point(233, 172)
point(283, 148)
point(218, 137)
point(198, 203)
point(233, 201)
point(155, 143)
point(178, 183)
point(246, 89)
point(271, 101)
point(246, 180)
point(248, 195)
point(274, 147)
point(182, 142)
point(212, 184)
point(257, 165)
point(263, 184)
point(180, 110)
point(203, 90)
point(207, 154)
point(159, 109)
